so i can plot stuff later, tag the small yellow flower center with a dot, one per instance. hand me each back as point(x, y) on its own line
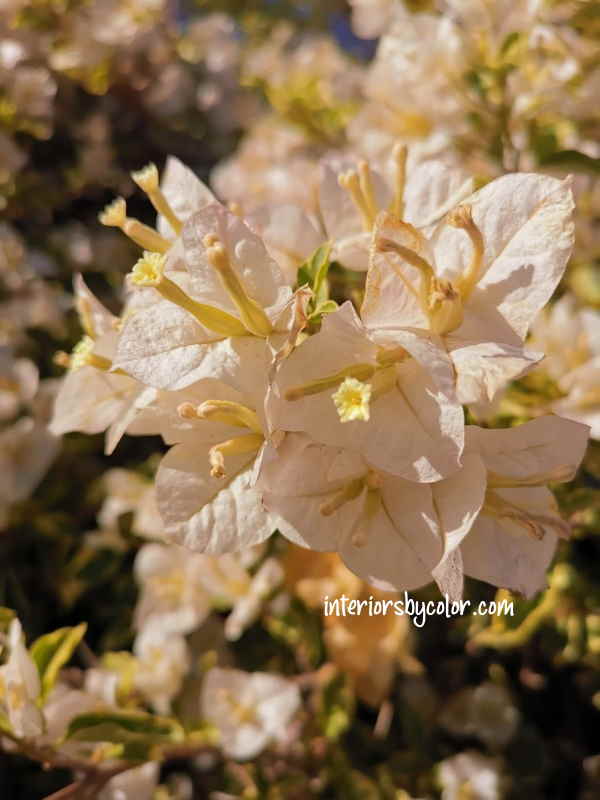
point(352, 400)
point(83, 356)
point(148, 270)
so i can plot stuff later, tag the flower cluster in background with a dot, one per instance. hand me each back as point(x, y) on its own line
point(299, 301)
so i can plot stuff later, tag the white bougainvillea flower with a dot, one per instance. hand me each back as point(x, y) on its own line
point(204, 485)
point(172, 597)
point(514, 538)
point(353, 193)
point(391, 532)
point(228, 313)
point(162, 662)
point(19, 381)
point(291, 234)
point(472, 773)
point(479, 280)
point(494, 519)
point(27, 449)
point(570, 338)
point(388, 394)
point(92, 398)
point(250, 710)
point(249, 599)
point(20, 687)
point(128, 491)
point(176, 197)
point(582, 401)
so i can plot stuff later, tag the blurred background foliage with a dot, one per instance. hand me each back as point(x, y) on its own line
point(521, 693)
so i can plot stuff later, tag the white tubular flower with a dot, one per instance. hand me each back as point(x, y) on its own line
point(493, 520)
point(570, 338)
point(353, 193)
point(172, 598)
point(162, 663)
point(92, 397)
point(479, 281)
point(20, 687)
point(204, 485)
point(393, 402)
point(19, 382)
point(230, 309)
point(250, 710)
point(472, 773)
point(27, 449)
point(514, 539)
point(391, 532)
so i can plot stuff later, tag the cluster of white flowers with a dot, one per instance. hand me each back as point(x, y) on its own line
point(343, 429)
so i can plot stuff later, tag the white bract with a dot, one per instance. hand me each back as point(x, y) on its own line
point(478, 280)
point(249, 710)
point(20, 687)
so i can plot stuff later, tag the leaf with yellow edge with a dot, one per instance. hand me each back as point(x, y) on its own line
point(52, 651)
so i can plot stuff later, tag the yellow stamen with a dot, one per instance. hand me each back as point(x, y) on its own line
point(147, 180)
point(399, 154)
point(149, 271)
point(383, 382)
point(371, 506)
point(252, 315)
point(393, 356)
point(115, 215)
point(342, 496)
point(365, 181)
point(438, 299)
point(229, 413)
point(187, 411)
point(462, 217)
point(533, 522)
point(243, 713)
point(351, 183)
point(352, 400)
point(445, 308)
point(83, 356)
point(239, 445)
point(359, 371)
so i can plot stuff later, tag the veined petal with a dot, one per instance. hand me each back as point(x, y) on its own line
point(185, 192)
point(260, 275)
point(501, 552)
point(485, 368)
point(525, 221)
point(543, 446)
point(206, 514)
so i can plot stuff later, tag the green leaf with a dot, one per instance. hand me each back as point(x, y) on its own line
point(336, 708)
point(327, 307)
point(128, 728)
point(52, 651)
point(572, 160)
point(314, 272)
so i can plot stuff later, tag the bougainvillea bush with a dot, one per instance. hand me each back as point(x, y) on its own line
point(299, 400)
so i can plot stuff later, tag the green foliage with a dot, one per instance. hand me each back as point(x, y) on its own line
point(52, 651)
point(136, 732)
